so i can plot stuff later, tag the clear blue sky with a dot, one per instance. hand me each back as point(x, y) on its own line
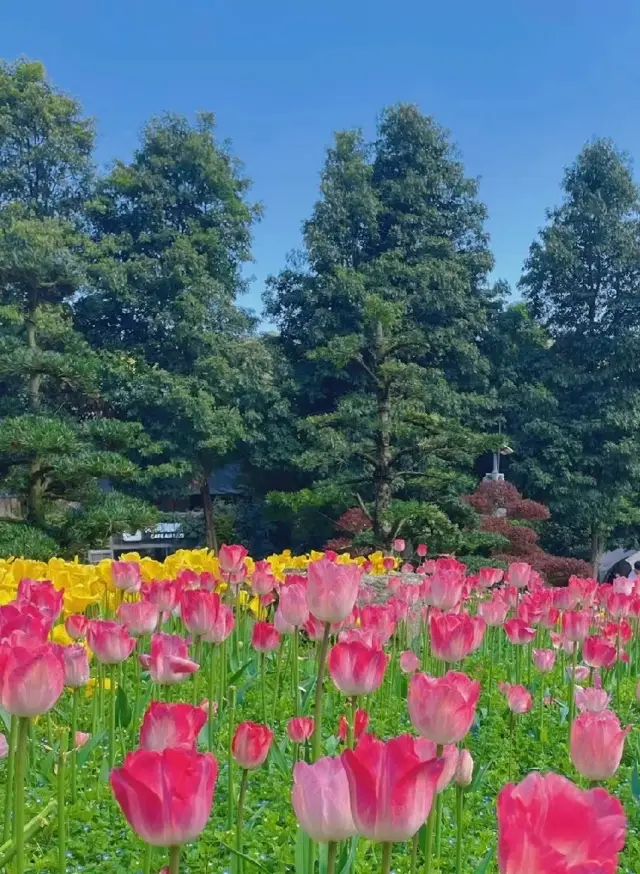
point(521, 85)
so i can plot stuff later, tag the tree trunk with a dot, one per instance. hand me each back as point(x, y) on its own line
point(382, 482)
point(596, 550)
point(34, 509)
point(34, 378)
point(210, 537)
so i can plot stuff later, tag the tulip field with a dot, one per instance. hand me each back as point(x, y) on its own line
point(316, 715)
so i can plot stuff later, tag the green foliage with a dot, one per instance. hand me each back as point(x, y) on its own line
point(376, 321)
point(25, 541)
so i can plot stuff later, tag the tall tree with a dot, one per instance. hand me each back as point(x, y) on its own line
point(582, 283)
point(380, 318)
point(173, 231)
point(52, 456)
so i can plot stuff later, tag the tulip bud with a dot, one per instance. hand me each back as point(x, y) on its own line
point(464, 769)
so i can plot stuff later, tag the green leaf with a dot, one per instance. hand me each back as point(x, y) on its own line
point(87, 748)
point(104, 771)
point(246, 858)
point(303, 849)
point(635, 782)
point(323, 858)
point(478, 777)
point(6, 718)
point(483, 867)
point(276, 756)
point(233, 679)
point(123, 709)
point(348, 856)
point(307, 695)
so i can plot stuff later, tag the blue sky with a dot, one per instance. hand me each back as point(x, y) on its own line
point(521, 85)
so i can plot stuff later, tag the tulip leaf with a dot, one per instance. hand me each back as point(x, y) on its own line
point(244, 856)
point(478, 777)
point(635, 782)
point(123, 709)
point(233, 679)
point(302, 853)
point(347, 856)
point(483, 867)
point(104, 771)
point(307, 695)
point(323, 858)
point(276, 755)
point(82, 756)
point(6, 718)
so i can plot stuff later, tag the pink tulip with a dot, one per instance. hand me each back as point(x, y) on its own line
point(409, 662)
point(421, 550)
point(314, 628)
point(544, 660)
point(223, 626)
point(390, 787)
point(361, 724)
point(591, 700)
point(126, 576)
point(442, 709)
point(162, 593)
point(109, 641)
point(281, 625)
point(300, 729)
point(332, 589)
point(31, 678)
point(597, 652)
point(76, 626)
point(356, 669)
point(379, 619)
point(169, 661)
point(519, 699)
point(623, 586)
point(140, 618)
point(42, 595)
point(547, 825)
point(597, 744)
point(619, 605)
point(4, 747)
point(175, 726)
point(199, 611)
point(251, 744)
point(489, 576)
point(575, 624)
point(232, 560)
point(262, 579)
point(479, 630)
point(427, 750)
point(166, 796)
point(293, 604)
point(519, 574)
point(445, 589)
point(463, 776)
point(24, 623)
point(265, 637)
point(321, 800)
point(452, 636)
point(494, 612)
point(76, 666)
point(366, 636)
point(399, 545)
point(80, 739)
point(518, 632)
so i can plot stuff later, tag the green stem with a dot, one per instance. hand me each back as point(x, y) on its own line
point(198, 660)
point(322, 661)
point(232, 718)
point(518, 663)
point(62, 825)
point(39, 821)
point(572, 685)
point(351, 722)
point(146, 862)
point(240, 817)
point(542, 710)
point(332, 854)
point(136, 695)
point(386, 858)
point(74, 752)
point(20, 774)
point(112, 716)
point(295, 673)
point(211, 694)
point(11, 763)
point(428, 843)
point(262, 685)
point(459, 813)
point(277, 680)
point(439, 805)
point(174, 860)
